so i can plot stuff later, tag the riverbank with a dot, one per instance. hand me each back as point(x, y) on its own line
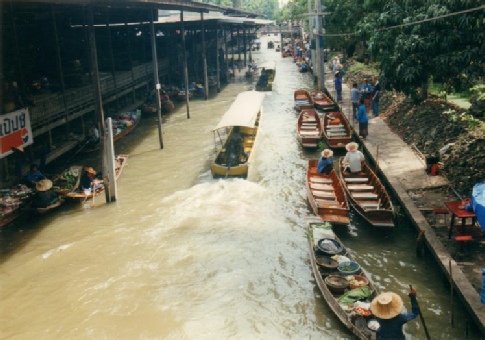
point(418, 193)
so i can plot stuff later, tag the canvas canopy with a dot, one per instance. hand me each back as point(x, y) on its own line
point(243, 111)
point(268, 65)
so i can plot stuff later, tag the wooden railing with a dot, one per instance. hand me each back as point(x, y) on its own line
point(49, 109)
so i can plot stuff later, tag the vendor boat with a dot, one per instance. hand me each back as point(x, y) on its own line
point(267, 75)
point(12, 201)
point(309, 128)
point(348, 296)
point(122, 126)
point(68, 183)
point(326, 195)
point(242, 119)
point(368, 196)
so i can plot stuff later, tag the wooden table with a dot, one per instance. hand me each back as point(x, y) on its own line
point(453, 207)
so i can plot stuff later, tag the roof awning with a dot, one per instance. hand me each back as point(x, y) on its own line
point(243, 111)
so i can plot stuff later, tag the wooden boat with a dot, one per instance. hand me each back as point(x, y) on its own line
point(309, 128)
point(368, 196)
point(323, 102)
point(72, 190)
point(119, 132)
point(323, 268)
point(303, 100)
point(337, 130)
point(12, 202)
point(49, 207)
point(326, 195)
point(243, 115)
point(267, 76)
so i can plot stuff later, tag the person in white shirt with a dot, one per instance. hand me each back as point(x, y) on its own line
point(354, 158)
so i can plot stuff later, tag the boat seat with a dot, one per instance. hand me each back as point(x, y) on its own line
point(325, 187)
point(321, 180)
point(356, 180)
point(310, 133)
point(335, 127)
point(343, 133)
point(327, 203)
point(318, 186)
point(357, 187)
point(323, 194)
point(369, 204)
point(365, 195)
point(309, 123)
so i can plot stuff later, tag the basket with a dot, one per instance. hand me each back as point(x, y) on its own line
point(326, 262)
point(336, 283)
point(348, 267)
point(325, 246)
point(359, 278)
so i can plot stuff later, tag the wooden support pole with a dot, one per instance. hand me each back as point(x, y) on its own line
point(156, 82)
point(245, 46)
point(204, 58)
point(59, 66)
point(111, 57)
point(98, 100)
point(130, 54)
point(218, 65)
point(226, 55)
point(238, 48)
point(186, 72)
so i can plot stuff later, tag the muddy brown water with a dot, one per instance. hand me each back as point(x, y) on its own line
point(183, 256)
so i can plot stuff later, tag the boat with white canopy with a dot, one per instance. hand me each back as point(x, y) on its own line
point(235, 136)
point(267, 75)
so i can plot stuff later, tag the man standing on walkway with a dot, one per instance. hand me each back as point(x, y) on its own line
point(338, 86)
point(354, 98)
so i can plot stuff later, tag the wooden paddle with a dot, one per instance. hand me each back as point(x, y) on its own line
point(421, 317)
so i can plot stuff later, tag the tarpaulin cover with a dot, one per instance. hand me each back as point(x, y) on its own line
point(243, 111)
point(478, 203)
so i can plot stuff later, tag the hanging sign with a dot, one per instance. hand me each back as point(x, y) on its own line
point(15, 131)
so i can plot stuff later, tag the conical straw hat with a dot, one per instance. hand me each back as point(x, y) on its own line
point(386, 305)
point(43, 185)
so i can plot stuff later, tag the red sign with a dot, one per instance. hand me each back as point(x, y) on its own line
point(15, 131)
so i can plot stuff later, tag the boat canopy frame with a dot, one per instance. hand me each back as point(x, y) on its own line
point(243, 111)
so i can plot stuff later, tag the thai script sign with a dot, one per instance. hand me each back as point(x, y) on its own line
point(15, 131)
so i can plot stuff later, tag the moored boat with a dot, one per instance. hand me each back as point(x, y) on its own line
point(326, 195)
point(348, 296)
point(323, 102)
point(309, 128)
point(122, 126)
point(12, 201)
point(337, 130)
point(236, 136)
point(368, 196)
point(303, 100)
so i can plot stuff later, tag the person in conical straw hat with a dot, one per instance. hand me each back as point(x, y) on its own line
point(325, 163)
point(387, 308)
point(353, 159)
point(44, 195)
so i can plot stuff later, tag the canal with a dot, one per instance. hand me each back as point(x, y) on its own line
point(183, 256)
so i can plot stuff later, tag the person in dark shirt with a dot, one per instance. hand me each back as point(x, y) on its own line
point(325, 164)
point(44, 195)
point(33, 176)
point(234, 148)
point(87, 179)
point(376, 94)
point(387, 307)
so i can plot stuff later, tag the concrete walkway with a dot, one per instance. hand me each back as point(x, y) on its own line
point(404, 170)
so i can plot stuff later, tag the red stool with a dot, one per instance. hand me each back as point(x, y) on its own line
point(440, 211)
point(463, 239)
